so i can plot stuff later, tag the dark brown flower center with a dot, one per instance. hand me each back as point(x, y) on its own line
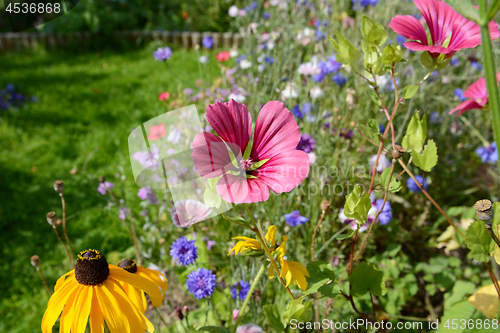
point(91, 268)
point(129, 265)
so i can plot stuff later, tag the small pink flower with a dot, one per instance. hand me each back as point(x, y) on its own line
point(156, 132)
point(444, 23)
point(222, 56)
point(164, 96)
point(477, 94)
point(185, 213)
point(280, 167)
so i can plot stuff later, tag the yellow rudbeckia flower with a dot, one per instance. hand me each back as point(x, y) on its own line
point(290, 270)
point(93, 290)
point(136, 295)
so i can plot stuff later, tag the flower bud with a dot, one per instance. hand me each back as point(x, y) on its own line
point(397, 152)
point(52, 218)
point(484, 210)
point(185, 309)
point(59, 186)
point(35, 261)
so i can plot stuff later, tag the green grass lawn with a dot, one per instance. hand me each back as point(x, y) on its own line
point(87, 105)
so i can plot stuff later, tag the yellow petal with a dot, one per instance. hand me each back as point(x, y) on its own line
point(81, 308)
point(271, 272)
point(153, 275)
point(68, 314)
point(115, 319)
point(486, 301)
point(296, 271)
point(62, 279)
point(154, 292)
point(271, 235)
point(56, 304)
point(282, 247)
point(96, 318)
point(496, 252)
point(137, 322)
point(136, 296)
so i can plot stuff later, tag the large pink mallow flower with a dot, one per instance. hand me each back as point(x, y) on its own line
point(449, 31)
point(272, 162)
point(477, 95)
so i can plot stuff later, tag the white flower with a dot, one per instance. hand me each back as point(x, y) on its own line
point(312, 157)
point(261, 58)
point(238, 97)
point(316, 92)
point(261, 68)
point(290, 91)
point(308, 68)
point(233, 11)
point(274, 2)
point(174, 136)
point(204, 59)
point(233, 53)
point(244, 64)
point(383, 163)
point(253, 27)
point(353, 224)
point(243, 12)
point(270, 44)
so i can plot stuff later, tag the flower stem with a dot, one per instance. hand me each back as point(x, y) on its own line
point(71, 266)
point(490, 71)
point(63, 201)
point(44, 281)
point(266, 249)
point(249, 295)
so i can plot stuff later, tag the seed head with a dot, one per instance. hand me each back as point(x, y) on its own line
point(59, 186)
point(52, 219)
point(484, 210)
point(35, 261)
point(397, 152)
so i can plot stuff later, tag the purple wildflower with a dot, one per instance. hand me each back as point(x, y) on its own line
point(306, 143)
point(207, 42)
point(386, 215)
point(488, 154)
point(240, 289)
point(162, 54)
point(201, 283)
point(104, 187)
point(184, 251)
point(146, 193)
point(412, 186)
point(294, 218)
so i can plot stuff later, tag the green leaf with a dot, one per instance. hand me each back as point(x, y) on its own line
point(428, 159)
point(257, 165)
point(394, 186)
point(214, 329)
point(392, 54)
point(366, 277)
point(466, 9)
point(372, 130)
point(357, 205)
point(461, 310)
point(427, 61)
point(374, 98)
point(330, 290)
point(410, 91)
point(415, 133)
point(346, 53)
point(479, 242)
point(296, 310)
point(494, 7)
point(374, 33)
point(344, 236)
point(273, 312)
point(212, 198)
point(321, 273)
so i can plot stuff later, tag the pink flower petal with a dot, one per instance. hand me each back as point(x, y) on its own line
point(416, 46)
point(275, 131)
point(409, 27)
point(232, 122)
point(440, 18)
point(187, 212)
point(156, 132)
point(210, 155)
point(467, 105)
point(477, 90)
point(239, 189)
point(284, 171)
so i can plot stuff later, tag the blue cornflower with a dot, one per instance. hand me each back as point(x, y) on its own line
point(207, 42)
point(454, 62)
point(475, 65)
point(294, 218)
point(317, 23)
point(266, 15)
point(184, 251)
point(435, 118)
point(240, 289)
point(297, 112)
point(240, 58)
point(400, 39)
point(381, 128)
point(339, 79)
point(386, 215)
point(201, 283)
point(460, 94)
point(269, 60)
point(162, 53)
point(10, 87)
point(306, 143)
point(488, 154)
point(412, 186)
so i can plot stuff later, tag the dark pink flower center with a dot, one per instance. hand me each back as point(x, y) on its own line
point(246, 164)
